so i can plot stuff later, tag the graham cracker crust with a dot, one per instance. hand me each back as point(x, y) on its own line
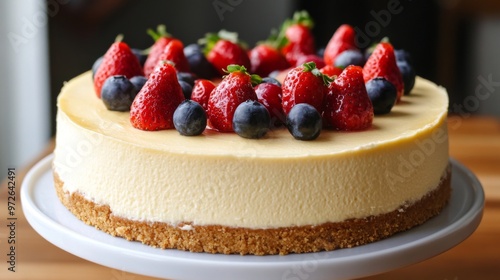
point(230, 240)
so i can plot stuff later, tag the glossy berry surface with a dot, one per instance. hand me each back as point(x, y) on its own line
point(198, 63)
point(251, 120)
point(190, 118)
point(138, 82)
point(271, 80)
point(382, 94)
point(269, 95)
point(201, 92)
point(187, 89)
point(350, 57)
point(186, 77)
point(409, 75)
point(118, 93)
point(96, 65)
point(304, 122)
point(140, 54)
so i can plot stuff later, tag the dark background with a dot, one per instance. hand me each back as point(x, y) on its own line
point(433, 32)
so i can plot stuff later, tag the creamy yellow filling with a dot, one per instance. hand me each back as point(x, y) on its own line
point(221, 178)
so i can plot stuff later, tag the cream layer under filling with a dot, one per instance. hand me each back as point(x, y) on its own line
point(223, 179)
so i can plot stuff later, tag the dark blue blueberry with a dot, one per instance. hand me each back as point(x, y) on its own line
point(118, 93)
point(403, 56)
point(271, 80)
point(408, 74)
point(138, 82)
point(186, 77)
point(140, 54)
point(304, 122)
point(383, 95)
point(190, 118)
point(251, 120)
point(198, 63)
point(96, 65)
point(187, 89)
point(350, 57)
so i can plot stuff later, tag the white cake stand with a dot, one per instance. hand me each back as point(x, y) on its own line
point(56, 224)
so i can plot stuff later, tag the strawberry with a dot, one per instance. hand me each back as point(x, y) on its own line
point(118, 60)
point(269, 95)
point(348, 106)
point(234, 89)
point(223, 49)
point(343, 39)
point(382, 63)
point(153, 107)
point(265, 58)
point(174, 52)
point(201, 92)
point(304, 84)
point(162, 38)
point(295, 37)
point(301, 59)
point(331, 71)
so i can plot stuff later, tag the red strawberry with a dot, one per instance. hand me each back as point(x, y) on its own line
point(343, 39)
point(153, 107)
point(331, 71)
point(234, 89)
point(295, 37)
point(201, 92)
point(269, 95)
point(320, 63)
point(174, 52)
point(348, 106)
point(304, 84)
point(118, 60)
point(223, 49)
point(382, 63)
point(162, 38)
point(265, 59)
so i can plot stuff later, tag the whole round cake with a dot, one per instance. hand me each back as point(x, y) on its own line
point(218, 192)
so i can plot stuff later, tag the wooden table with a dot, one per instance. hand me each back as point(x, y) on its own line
point(474, 141)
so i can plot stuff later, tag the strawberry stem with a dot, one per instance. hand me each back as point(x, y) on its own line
point(311, 67)
point(255, 79)
point(211, 39)
point(278, 40)
point(161, 31)
point(119, 38)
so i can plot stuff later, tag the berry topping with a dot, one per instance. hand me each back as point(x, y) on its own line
point(382, 63)
point(304, 122)
point(174, 52)
point(350, 57)
point(96, 65)
point(190, 118)
point(347, 104)
point(331, 71)
point(269, 95)
point(138, 82)
point(154, 105)
point(265, 58)
point(187, 89)
point(343, 39)
point(118, 93)
point(251, 120)
point(186, 77)
point(141, 55)
point(201, 92)
point(198, 63)
point(235, 88)
point(223, 49)
point(162, 38)
point(382, 94)
point(409, 75)
point(304, 84)
point(271, 80)
point(320, 63)
point(118, 60)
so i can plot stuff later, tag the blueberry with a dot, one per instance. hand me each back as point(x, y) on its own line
point(408, 74)
point(304, 122)
point(138, 82)
point(140, 54)
point(383, 95)
point(96, 65)
point(187, 89)
point(198, 63)
point(118, 93)
point(320, 52)
point(271, 80)
point(350, 57)
point(186, 77)
point(403, 56)
point(190, 118)
point(274, 74)
point(251, 120)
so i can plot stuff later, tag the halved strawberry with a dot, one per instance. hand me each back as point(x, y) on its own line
point(223, 49)
point(118, 60)
point(348, 106)
point(265, 58)
point(201, 92)
point(269, 95)
point(234, 89)
point(174, 52)
point(153, 107)
point(382, 63)
point(162, 38)
point(304, 84)
point(343, 39)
